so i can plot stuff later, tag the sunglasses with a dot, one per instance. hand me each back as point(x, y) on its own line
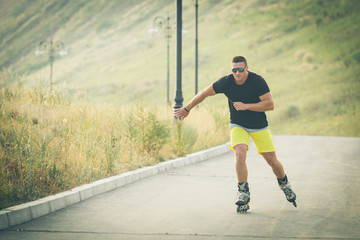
point(234, 70)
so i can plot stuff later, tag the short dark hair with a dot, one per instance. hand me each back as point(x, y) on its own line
point(239, 59)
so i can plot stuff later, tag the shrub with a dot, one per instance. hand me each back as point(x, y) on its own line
point(292, 112)
point(145, 130)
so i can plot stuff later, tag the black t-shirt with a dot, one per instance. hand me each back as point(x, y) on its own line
point(254, 87)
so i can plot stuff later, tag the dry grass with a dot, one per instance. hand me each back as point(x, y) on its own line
point(50, 145)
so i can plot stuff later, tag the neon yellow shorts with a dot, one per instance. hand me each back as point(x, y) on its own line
point(262, 139)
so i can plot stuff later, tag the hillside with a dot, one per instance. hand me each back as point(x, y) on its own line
point(307, 50)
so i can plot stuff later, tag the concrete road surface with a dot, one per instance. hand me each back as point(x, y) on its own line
point(197, 201)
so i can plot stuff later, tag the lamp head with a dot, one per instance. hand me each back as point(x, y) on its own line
point(153, 30)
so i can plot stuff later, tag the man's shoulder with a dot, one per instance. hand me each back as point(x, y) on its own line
point(227, 78)
point(221, 85)
point(259, 83)
point(253, 75)
point(256, 78)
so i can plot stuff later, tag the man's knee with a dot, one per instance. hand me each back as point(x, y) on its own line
point(270, 158)
point(240, 152)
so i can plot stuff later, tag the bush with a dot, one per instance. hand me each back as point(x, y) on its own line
point(292, 112)
point(103, 25)
point(145, 130)
point(185, 136)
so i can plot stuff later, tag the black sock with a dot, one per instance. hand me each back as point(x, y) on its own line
point(243, 187)
point(282, 181)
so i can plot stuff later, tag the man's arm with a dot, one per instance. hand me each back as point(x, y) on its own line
point(266, 104)
point(198, 98)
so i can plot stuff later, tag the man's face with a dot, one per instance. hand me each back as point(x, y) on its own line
point(239, 76)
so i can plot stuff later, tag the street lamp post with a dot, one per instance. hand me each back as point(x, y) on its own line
point(196, 46)
point(161, 22)
point(51, 48)
point(178, 95)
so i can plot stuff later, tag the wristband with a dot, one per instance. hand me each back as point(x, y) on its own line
point(186, 109)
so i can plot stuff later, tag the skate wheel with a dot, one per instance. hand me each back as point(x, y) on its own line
point(242, 208)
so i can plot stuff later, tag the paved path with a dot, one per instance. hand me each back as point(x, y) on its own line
point(197, 201)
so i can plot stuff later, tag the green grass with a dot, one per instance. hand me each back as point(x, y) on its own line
point(108, 43)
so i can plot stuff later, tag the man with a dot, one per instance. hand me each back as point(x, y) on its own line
point(249, 98)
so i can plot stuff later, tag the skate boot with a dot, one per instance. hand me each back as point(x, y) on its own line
point(243, 198)
point(285, 186)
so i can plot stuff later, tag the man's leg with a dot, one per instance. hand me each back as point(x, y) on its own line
point(243, 198)
point(266, 148)
point(240, 151)
point(274, 163)
point(239, 143)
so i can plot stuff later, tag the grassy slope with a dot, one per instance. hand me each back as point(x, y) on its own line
point(308, 51)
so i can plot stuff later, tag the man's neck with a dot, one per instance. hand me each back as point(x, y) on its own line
point(242, 81)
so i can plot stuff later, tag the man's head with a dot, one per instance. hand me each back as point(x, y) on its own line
point(239, 69)
point(239, 59)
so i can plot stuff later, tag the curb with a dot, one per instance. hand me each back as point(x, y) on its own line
point(29, 211)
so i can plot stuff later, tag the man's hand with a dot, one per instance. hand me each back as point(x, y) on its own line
point(266, 104)
point(239, 106)
point(181, 113)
